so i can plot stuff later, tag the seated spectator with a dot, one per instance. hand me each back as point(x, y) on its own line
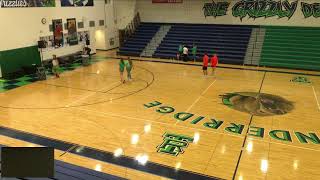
point(86, 52)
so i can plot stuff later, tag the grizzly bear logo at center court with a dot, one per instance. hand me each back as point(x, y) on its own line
point(258, 104)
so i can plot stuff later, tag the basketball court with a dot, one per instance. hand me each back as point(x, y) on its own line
point(171, 122)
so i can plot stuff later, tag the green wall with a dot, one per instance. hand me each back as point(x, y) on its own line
point(14, 59)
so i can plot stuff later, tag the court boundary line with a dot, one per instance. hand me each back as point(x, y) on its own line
point(90, 94)
point(153, 121)
point(100, 152)
point(225, 67)
point(68, 87)
point(316, 97)
point(200, 96)
point(89, 104)
point(246, 135)
point(16, 134)
point(197, 99)
point(270, 142)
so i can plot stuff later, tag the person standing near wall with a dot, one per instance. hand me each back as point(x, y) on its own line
point(214, 63)
point(194, 52)
point(85, 56)
point(180, 51)
point(87, 39)
point(55, 66)
point(205, 64)
point(129, 67)
point(185, 53)
point(121, 70)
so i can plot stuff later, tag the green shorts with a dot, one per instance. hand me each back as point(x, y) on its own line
point(55, 69)
point(121, 68)
point(128, 68)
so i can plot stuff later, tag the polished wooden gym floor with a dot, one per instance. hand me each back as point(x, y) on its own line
point(89, 107)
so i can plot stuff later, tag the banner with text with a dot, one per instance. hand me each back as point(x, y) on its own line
point(72, 31)
point(76, 3)
point(26, 3)
point(57, 32)
point(167, 1)
point(261, 9)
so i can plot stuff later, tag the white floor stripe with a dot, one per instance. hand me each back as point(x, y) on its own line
point(198, 98)
point(80, 99)
point(104, 114)
point(90, 94)
point(316, 97)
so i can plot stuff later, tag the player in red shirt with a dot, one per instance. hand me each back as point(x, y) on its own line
point(214, 62)
point(205, 64)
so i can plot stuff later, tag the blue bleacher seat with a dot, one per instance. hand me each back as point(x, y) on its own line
point(228, 41)
point(139, 40)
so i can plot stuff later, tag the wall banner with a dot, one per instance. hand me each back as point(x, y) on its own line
point(167, 1)
point(72, 31)
point(57, 33)
point(76, 3)
point(261, 9)
point(26, 3)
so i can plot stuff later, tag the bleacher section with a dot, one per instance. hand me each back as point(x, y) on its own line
point(228, 41)
point(291, 47)
point(286, 47)
point(139, 40)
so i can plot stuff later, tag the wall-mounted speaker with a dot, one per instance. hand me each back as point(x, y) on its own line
point(41, 44)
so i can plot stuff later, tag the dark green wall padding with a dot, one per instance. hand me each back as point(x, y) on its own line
point(291, 47)
point(13, 60)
